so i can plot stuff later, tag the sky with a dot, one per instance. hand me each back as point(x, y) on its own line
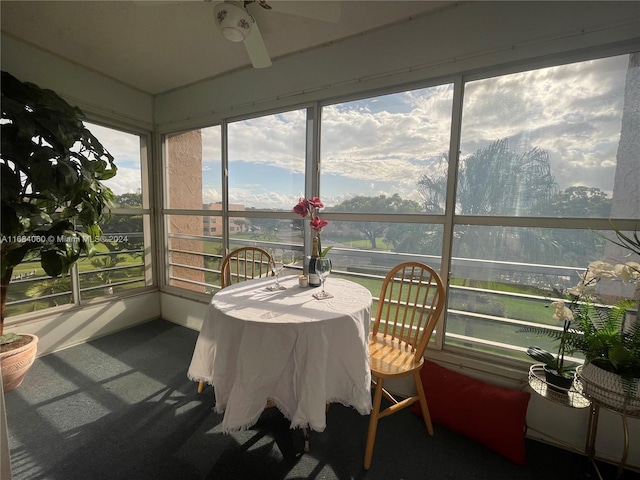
point(382, 145)
point(125, 148)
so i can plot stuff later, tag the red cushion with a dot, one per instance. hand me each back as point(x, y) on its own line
point(491, 415)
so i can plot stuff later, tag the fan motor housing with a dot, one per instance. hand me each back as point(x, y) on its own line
point(233, 21)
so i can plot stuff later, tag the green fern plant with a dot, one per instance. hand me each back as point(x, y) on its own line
point(601, 335)
point(607, 343)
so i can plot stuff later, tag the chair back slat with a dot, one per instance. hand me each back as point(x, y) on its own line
point(411, 301)
point(244, 264)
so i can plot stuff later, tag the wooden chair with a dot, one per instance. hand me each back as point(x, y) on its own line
point(411, 301)
point(243, 264)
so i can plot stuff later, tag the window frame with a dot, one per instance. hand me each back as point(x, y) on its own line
point(449, 219)
point(146, 211)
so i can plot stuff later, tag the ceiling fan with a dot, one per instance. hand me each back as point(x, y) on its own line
point(237, 25)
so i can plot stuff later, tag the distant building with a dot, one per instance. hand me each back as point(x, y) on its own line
point(212, 226)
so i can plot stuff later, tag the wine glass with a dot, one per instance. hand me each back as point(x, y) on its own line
point(323, 269)
point(288, 258)
point(277, 264)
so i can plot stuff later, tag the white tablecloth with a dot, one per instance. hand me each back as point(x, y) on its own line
point(287, 347)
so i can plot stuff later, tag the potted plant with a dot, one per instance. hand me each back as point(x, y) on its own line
point(611, 373)
point(558, 373)
point(53, 197)
point(607, 336)
point(309, 207)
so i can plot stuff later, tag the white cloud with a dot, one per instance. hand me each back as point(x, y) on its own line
point(572, 111)
point(125, 149)
point(278, 140)
point(127, 180)
point(385, 144)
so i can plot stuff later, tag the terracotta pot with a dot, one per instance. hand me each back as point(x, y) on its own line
point(16, 363)
point(606, 388)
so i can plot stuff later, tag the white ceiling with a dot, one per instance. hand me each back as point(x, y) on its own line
point(159, 46)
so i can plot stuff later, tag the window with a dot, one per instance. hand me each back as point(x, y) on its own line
point(266, 165)
point(545, 142)
point(193, 181)
point(551, 142)
point(374, 153)
point(119, 264)
point(267, 161)
point(381, 146)
point(546, 168)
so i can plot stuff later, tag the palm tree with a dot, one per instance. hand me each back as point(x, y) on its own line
point(496, 181)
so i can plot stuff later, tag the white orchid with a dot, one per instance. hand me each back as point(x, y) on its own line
point(562, 312)
point(588, 280)
point(598, 270)
point(628, 272)
point(583, 288)
point(602, 270)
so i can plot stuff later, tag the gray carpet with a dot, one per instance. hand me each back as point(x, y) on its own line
point(121, 407)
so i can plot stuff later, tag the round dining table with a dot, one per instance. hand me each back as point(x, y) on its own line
point(287, 348)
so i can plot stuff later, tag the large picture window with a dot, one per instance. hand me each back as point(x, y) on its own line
point(119, 263)
point(381, 146)
point(553, 142)
point(545, 168)
point(267, 161)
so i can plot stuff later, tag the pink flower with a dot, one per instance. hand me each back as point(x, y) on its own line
point(308, 207)
point(302, 208)
point(315, 202)
point(317, 224)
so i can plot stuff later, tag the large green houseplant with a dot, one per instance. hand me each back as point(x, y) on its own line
point(53, 198)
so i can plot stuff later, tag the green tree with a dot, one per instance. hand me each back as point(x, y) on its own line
point(128, 200)
point(240, 223)
point(494, 181)
point(574, 246)
point(499, 181)
point(129, 226)
point(578, 201)
point(415, 238)
point(263, 227)
point(380, 204)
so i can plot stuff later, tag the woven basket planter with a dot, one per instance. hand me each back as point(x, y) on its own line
point(606, 388)
point(16, 363)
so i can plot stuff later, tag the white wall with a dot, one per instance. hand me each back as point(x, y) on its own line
point(88, 90)
point(472, 36)
point(183, 311)
point(68, 327)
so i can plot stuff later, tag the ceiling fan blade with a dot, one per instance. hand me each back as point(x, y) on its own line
point(256, 48)
point(327, 11)
point(155, 3)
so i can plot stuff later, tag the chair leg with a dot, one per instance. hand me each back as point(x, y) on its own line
point(200, 387)
point(373, 424)
point(305, 433)
point(426, 416)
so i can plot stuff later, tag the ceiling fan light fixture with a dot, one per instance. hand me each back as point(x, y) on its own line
point(233, 21)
